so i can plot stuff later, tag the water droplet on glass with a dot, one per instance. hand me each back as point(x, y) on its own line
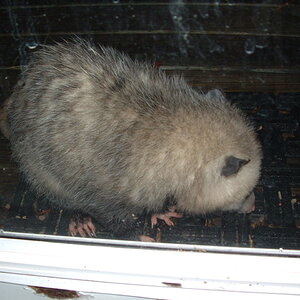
point(262, 42)
point(260, 46)
point(204, 15)
point(216, 49)
point(31, 45)
point(186, 37)
point(250, 45)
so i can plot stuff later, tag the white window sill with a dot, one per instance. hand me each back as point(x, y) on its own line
point(149, 270)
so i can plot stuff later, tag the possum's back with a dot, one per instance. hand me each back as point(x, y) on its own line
point(67, 120)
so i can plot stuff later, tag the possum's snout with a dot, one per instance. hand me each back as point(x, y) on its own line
point(247, 205)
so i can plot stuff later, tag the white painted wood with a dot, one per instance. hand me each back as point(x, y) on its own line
point(149, 272)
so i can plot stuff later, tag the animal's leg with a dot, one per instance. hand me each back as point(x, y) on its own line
point(171, 213)
point(83, 225)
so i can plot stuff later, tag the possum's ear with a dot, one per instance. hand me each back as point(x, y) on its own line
point(233, 165)
point(216, 94)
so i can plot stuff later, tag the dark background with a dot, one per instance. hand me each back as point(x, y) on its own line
point(237, 45)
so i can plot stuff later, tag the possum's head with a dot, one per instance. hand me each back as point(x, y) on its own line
point(234, 179)
point(232, 167)
point(227, 156)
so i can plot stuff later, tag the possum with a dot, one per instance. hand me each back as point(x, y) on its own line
point(112, 138)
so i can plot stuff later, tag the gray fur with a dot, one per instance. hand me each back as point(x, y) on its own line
point(100, 133)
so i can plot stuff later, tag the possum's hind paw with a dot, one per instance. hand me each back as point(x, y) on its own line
point(82, 225)
point(165, 217)
point(146, 238)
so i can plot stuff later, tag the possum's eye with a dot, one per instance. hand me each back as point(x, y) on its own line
point(233, 165)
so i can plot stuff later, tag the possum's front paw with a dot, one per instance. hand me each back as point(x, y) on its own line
point(82, 225)
point(171, 213)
